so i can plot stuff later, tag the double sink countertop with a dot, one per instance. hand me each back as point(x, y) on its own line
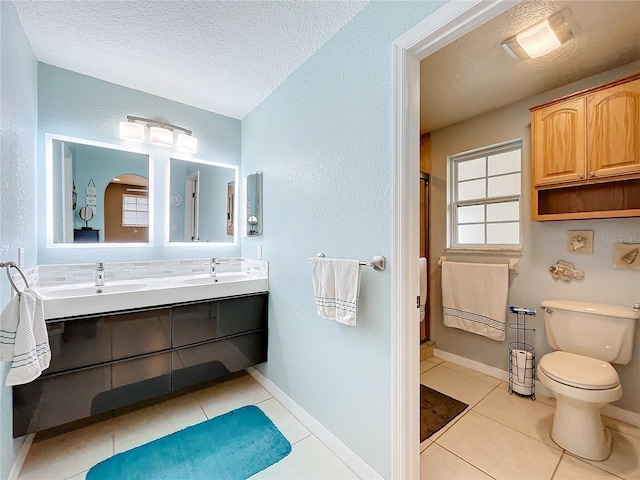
point(80, 299)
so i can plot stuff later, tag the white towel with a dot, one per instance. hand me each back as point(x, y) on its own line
point(23, 338)
point(423, 288)
point(474, 297)
point(336, 286)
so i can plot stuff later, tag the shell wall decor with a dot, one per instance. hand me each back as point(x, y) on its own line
point(565, 271)
point(580, 242)
point(626, 256)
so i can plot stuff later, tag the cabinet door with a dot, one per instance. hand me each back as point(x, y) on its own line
point(104, 338)
point(559, 142)
point(201, 322)
point(614, 130)
point(54, 400)
point(204, 362)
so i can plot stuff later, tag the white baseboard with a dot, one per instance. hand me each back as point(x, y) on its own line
point(22, 456)
point(353, 461)
point(611, 411)
point(472, 364)
point(617, 413)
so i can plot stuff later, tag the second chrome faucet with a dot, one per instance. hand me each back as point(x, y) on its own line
point(99, 274)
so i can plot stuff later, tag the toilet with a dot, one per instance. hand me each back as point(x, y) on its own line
point(587, 337)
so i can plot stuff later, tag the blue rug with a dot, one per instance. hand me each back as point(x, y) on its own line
point(234, 446)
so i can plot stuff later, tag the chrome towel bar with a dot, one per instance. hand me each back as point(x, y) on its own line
point(513, 264)
point(9, 266)
point(379, 262)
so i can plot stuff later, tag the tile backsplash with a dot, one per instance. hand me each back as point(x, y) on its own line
point(64, 274)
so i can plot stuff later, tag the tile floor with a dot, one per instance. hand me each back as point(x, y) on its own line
point(506, 437)
point(500, 436)
point(71, 455)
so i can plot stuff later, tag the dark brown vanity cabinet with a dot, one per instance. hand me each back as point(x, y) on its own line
point(104, 362)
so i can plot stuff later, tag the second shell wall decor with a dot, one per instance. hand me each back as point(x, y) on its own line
point(580, 242)
point(626, 256)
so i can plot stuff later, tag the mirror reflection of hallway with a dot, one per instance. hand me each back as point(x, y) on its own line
point(126, 209)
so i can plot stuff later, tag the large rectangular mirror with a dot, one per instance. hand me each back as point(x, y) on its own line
point(202, 203)
point(97, 194)
point(253, 201)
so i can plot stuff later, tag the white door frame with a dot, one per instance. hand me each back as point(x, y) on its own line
point(192, 206)
point(450, 22)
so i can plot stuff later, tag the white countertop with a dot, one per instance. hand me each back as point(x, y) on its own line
point(87, 298)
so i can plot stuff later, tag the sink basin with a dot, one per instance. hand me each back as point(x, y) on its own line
point(219, 279)
point(86, 291)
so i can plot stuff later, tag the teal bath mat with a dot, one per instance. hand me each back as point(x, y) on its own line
point(234, 446)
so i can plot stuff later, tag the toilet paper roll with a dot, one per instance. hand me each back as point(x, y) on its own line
point(522, 372)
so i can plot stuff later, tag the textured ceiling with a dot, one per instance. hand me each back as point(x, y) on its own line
point(221, 56)
point(474, 75)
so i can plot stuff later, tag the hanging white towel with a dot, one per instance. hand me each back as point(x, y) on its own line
point(423, 287)
point(336, 286)
point(23, 338)
point(474, 297)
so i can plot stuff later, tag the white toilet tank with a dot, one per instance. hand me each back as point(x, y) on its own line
point(595, 330)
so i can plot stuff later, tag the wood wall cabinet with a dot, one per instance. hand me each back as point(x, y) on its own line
point(586, 153)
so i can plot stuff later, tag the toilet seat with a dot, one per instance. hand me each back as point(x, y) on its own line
point(579, 371)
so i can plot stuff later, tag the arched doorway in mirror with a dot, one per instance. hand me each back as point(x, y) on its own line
point(126, 209)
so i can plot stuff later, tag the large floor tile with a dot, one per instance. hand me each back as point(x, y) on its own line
point(427, 365)
point(66, 455)
point(148, 424)
point(467, 371)
point(456, 384)
point(571, 468)
point(288, 425)
point(436, 463)
point(227, 396)
point(520, 413)
point(624, 460)
point(309, 460)
point(498, 450)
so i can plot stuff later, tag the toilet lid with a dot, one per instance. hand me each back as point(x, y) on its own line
point(579, 371)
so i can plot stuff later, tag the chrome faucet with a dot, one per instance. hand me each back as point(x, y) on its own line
point(212, 267)
point(99, 274)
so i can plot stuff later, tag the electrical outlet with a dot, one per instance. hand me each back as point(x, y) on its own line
point(259, 252)
point(174, 227)
point(21, 257)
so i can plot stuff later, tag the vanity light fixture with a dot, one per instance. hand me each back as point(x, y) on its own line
point(160, 133)
point(541, 38)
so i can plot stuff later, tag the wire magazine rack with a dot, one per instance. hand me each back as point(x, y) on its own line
point(522, 359)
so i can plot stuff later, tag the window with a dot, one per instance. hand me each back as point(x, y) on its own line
point(135, 211)
point(484, 197)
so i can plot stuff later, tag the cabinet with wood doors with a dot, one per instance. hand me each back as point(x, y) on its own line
point(585, 153)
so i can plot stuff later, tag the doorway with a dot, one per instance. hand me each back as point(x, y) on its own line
point(450, 22)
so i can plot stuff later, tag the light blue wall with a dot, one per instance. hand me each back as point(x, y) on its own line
point(18, 208)
point(324, 140)
point(79, 106)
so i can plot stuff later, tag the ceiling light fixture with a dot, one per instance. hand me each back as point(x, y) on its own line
point(160, 133)
point(541, 38)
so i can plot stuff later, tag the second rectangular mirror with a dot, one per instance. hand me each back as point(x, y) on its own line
point(253, 199)
point(202, 201)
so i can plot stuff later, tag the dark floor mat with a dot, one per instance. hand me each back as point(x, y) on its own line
point(436, 410)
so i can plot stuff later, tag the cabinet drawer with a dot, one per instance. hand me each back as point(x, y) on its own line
point(79, 343)
point(55, 400)
point(200, 363)
point(200, 322)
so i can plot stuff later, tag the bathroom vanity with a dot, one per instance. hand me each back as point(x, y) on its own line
point(103, 361)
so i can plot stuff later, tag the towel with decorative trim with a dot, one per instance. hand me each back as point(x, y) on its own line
point(23, 338)
point(474, 297)
point(336, 286)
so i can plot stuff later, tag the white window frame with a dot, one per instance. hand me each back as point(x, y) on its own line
point(452, 203)
point(125, 209)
